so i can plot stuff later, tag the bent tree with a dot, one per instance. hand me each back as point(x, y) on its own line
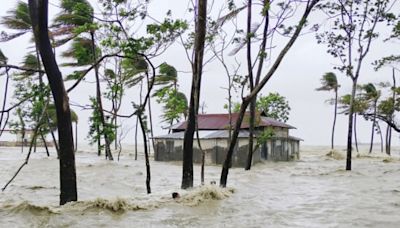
point(253, 93)
point(329, 83)
point(39, 17)
point(349, 40)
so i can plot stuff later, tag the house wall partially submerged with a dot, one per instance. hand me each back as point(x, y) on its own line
point(275, 149)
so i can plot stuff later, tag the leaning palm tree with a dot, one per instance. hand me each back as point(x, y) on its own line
point(74, 20)
point(371, 95)
point(329, 83)
point(17, 19)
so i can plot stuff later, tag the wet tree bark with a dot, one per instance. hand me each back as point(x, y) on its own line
point(197, 67)
point(39, 17)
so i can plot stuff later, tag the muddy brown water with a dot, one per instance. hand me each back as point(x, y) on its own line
point(315, 191)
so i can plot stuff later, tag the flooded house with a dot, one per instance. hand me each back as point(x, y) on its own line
point(214, 137)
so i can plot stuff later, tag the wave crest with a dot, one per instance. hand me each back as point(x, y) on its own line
point(26, 206)
point(118, 205)
point(205, 193)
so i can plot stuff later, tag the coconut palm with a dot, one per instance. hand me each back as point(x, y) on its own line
point(75, 19)
point(17, 19)
point(371, 95)
point(329, 83)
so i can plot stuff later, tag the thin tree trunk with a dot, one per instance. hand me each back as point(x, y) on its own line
point(355, 131)
point(98, 140)
point(4, 102)
point(151, 123)
point(116, 131)
point(197, 68)
point(39, 18)
point(380, 134)
point(334, 120)
point(373, 128)
point(76, 136)
point(53, 136)
point(45, 144)
point(350, 126)
point(55, 143)
point(146, 153)
point(136, 139)
point(251, 83)
point(203, 154)
point(389, 128)
point(388, 139)
point(99, 101)
point(228, 159)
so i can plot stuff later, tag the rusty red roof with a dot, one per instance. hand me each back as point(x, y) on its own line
point(221, 122)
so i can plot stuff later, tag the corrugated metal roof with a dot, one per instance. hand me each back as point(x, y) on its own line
point(218, 134)
point(221, 122)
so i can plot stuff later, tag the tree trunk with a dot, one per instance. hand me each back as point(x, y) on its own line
point(98, 140)
point(197, 67)
point(355, 131)
point(251, 83)
point(99, 101)
point(136, 138)
point(350, 126)
point(45, 144)
point(76, 136)
point(380, 134)
point(258, 87)
point(4, 102)
point(388, 139)
point(334, 120)
point(373, 128)
point(146, 153)
point(228, 159)
point(39, 17)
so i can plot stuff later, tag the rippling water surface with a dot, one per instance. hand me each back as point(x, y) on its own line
point(313, 192)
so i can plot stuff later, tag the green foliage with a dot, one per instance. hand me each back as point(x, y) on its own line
point(75, 13)
point(370, 93)
point(132, 70)
point(329, 82)
point(95, 123)
point(265, 135)
point(275, 106)
point(81, 51)
point(175, 104)
point(16, 19)
point(360, 105)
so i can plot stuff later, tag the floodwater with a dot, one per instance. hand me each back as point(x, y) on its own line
point(313, 192)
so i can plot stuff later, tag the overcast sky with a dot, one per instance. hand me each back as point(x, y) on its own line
point(296, 79)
